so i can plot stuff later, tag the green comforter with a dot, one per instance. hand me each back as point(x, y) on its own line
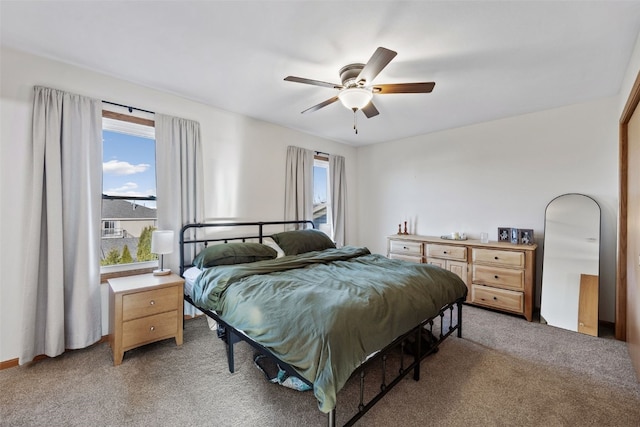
point(325, 312)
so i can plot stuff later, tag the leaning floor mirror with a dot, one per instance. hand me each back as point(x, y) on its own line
point(570, 268)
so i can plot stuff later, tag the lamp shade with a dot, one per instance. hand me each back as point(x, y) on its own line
point(355, 98)
point(162, 242)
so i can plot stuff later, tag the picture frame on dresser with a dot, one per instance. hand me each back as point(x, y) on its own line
point(504, 234)
point(525, 236)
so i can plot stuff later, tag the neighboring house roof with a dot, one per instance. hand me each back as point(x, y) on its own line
point(123, 209)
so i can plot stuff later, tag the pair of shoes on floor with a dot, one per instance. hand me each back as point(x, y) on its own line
point(277, 375)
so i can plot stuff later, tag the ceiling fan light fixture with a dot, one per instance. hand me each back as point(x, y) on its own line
point(355, 98)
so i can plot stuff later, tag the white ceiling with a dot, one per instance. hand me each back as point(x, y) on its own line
point(489, 59)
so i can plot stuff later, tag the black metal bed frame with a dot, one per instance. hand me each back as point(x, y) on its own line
point(231, 335)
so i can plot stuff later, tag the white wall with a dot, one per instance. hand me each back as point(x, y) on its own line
point(245, 160)
point(496, 174)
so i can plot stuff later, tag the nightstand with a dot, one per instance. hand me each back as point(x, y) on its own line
point(144, 309)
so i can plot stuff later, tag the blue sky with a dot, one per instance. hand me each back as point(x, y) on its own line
point(128, 165)
point(319, 184)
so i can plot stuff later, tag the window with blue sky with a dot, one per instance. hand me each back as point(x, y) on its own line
point(320, 186)
point(128, 192)
point(128, 165)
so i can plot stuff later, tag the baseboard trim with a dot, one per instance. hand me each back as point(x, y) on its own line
point(12, 363)
point(6, 364)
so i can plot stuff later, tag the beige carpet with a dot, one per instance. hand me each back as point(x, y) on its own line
point(503, 372)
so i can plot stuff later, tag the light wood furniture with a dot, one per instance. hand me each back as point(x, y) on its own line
point(499, 275)
point(405, 249)
point(144, 309)
point(449, 257)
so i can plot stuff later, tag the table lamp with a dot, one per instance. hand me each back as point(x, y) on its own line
point(161, 243)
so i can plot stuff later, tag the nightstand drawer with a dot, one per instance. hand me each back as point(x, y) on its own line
point(406, 248)
point(498, 257)
point(146, 303)
point(446, 251)
point(501, 277)
point(148, 329)
point(498, 298)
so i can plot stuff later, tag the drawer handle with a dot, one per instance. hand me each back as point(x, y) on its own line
point(152, 302)
point(495, 298)
point(153, 328)
point(405, 248)
point(444, 252)
point(495, 257)
point(496, 276)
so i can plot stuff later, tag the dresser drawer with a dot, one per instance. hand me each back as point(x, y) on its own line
point(405, 248)
point(417, 259)
point(498, 257)
point(146, 303)
point(498, 298)
point(148, 329)
point(447, 251)
point(501, 277)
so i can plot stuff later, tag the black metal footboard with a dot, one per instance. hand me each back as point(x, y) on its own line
point(416, 344)
point(420, 349)
point(445, 324)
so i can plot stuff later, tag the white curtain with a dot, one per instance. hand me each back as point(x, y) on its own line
point(298, 197)
point(179, 182)
point(61, 306)
point(338, 198)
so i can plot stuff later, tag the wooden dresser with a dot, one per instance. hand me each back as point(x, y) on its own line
point(143, 309)
point(499, 275)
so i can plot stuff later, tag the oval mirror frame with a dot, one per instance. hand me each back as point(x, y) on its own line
point(571, 264)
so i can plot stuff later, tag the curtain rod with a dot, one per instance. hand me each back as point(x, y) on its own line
point(128, 107)
point(320, 152)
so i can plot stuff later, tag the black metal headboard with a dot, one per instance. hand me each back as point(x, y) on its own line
point(255, 230)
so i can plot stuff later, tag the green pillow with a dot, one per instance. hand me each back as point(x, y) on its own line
point(233, 253)
point(301, 241)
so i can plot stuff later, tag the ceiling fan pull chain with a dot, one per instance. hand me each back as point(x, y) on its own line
point(355, 121)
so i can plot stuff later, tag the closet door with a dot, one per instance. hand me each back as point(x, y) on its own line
point(633, 239)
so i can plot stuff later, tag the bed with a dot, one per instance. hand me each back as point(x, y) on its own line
point(322, 313)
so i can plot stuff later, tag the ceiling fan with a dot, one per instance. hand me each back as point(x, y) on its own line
point(356, 91)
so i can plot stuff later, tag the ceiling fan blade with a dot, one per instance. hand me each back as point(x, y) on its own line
point(322, 104)
point(370, 110)
point(313, 82)
point(380, 58)
point(425, 87)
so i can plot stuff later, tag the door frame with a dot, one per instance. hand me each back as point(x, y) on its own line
point(621, 277)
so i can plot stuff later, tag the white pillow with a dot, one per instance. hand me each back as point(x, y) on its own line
point(191, 273)
point(268, 241)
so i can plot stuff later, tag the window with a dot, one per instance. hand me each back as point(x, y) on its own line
point(128, 190)
point(321, 217)
point(109, 229)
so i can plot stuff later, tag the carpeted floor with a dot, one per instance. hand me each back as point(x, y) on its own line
point(503, 372)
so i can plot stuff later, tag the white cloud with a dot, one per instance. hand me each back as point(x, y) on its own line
point(123, 168)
